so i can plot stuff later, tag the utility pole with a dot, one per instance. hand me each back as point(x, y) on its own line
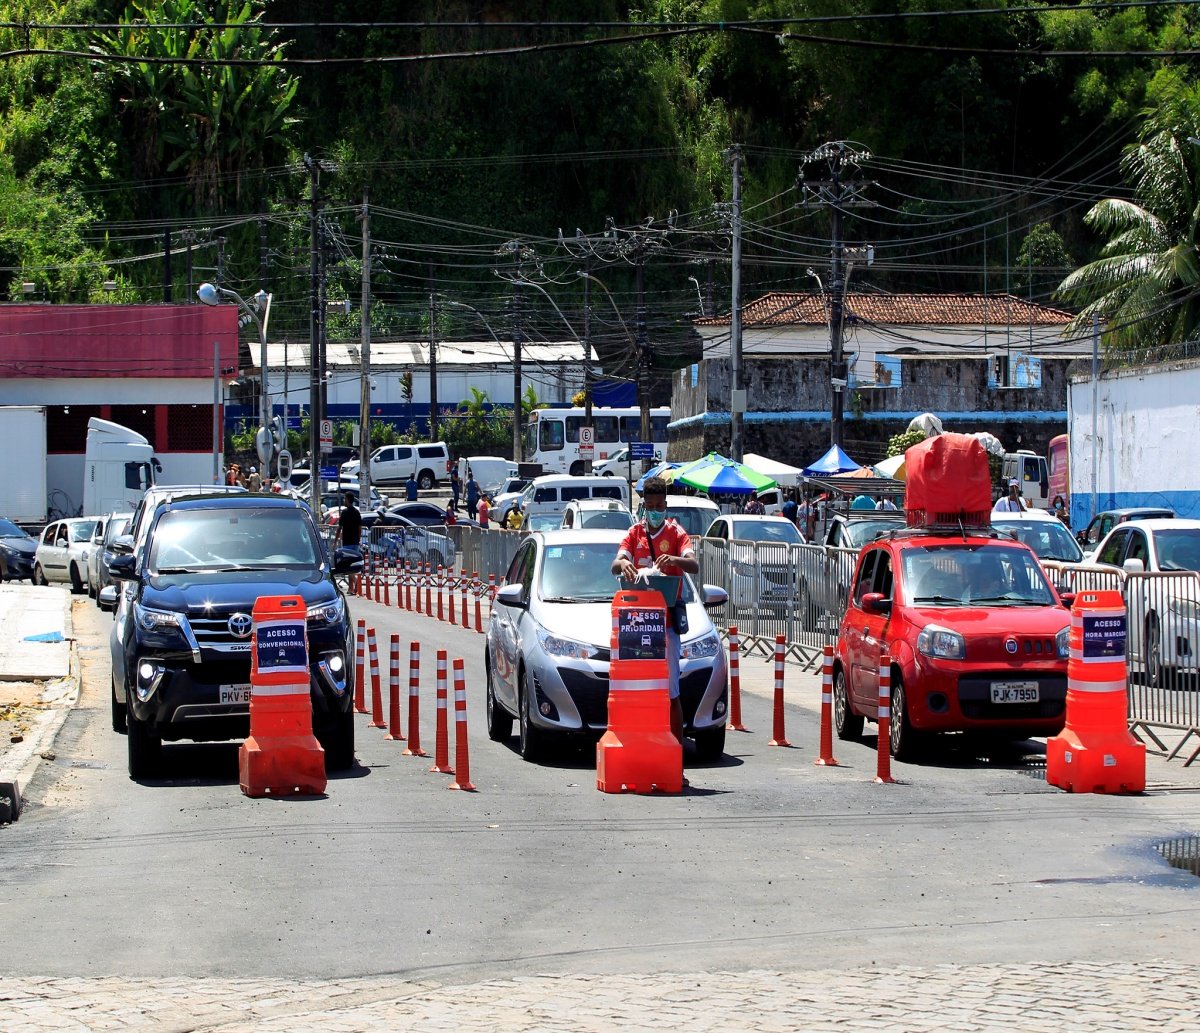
point(837, 195)
point(737, 394)
point(587, 353)
point(519, 253)
point(364, 421)
point(314, 339)
point(643, 349)
point(433, 370)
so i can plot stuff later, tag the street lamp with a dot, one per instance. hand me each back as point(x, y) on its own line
point(210, 295)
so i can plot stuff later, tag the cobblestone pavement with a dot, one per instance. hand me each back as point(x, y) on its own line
point(1044, 998)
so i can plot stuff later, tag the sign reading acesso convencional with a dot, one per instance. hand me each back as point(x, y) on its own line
point(280, 647)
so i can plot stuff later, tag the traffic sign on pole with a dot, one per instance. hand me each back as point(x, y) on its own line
point(326, 434)
point(587, 442)
point(641, 450)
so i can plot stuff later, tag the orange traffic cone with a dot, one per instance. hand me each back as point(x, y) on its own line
point(464, 587)
point(360, 667)
point(441, 739)
point(376, 689)
point(414, 701)
point(394, 731)
point(778, 738)
point(826, 759)
point(462, 763)
point(735, 682)
point(883, 764)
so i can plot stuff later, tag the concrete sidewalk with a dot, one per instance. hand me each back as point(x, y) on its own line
point(39, 675)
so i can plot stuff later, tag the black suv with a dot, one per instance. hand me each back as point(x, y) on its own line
point(182, 635)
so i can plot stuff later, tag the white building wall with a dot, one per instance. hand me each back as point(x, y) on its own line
point(1146, 441)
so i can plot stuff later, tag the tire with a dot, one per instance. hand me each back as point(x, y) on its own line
point(337, 740)
point(119, 715)
point(532, 738)
point(846, 723)
point(145, 748)
point(426, 480)
point(903, 739)
point(1156, 672)
point(92, 590)
point(76, 580)
point(499, 720)
point(39, 577)
point(576, 469)
point(710, 744)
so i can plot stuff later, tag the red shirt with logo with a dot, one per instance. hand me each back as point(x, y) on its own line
point(670, 540)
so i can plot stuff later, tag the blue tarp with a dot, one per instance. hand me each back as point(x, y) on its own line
point(834, 461)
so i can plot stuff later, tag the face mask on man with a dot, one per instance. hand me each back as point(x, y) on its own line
point(655, 518)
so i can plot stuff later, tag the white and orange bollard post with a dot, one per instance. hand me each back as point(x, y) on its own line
point(451, 603)
point(441, 587)
point(826, 759)
point(464, 585)
point(462, 763)
point(428, 591)
point(441, 736)
point(394, 731)
point(413, 749)
point(376, 688)
point(778, 736)
point(883, 763)
point(408, 580)
point(478, 590)
point(360, 667)
point(734, 723)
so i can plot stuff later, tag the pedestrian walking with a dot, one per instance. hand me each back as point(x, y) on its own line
point(472, 494)
point(254, 481)
point(349, 529)
point(455, 487)
point(1012, 502)
point(484, 510)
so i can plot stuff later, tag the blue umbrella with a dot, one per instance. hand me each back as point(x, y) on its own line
point(654, 471)
point(834, 461)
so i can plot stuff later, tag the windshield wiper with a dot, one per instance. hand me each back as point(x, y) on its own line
point(938, 599)
point(572, 599)
point(174, 570)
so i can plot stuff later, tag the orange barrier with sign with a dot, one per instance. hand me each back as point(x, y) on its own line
point(281, 755)
point(1095, 752)
point(639, 753)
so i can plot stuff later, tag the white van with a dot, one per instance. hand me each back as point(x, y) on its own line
point(694, 513)
point(491, 472)
point(548, 495)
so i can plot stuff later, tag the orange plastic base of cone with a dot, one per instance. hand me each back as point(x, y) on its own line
point(645, 763)
point(1112, 763)
point(282, 766)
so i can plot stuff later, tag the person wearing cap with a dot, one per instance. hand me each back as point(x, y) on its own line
point(254, 481)
point(1011, 503)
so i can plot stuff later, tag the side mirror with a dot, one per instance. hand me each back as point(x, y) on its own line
point(122, 545)
point(512, 595)
point(107, 599)
point(712, 595)
point(1068, 599)
point(347, 561)
point(122, 567)
point(876, 602)
point(1134, 566)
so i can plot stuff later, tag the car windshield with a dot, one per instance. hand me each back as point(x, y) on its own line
point(765, 531)
point(612, 518)
point(962, 574)
point(82, 530)
point(232, 539)
point(1050, 539)
point(544, 521)
point(1178, 549)
point(10, 530)
point(862, 531)
point(693, 519)
point(583, 573)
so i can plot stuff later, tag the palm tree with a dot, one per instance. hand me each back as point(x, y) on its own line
point(1146, 286)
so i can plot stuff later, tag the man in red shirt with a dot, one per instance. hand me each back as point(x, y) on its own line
point(655, 541)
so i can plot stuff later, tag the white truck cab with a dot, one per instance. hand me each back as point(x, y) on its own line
point(119, 465)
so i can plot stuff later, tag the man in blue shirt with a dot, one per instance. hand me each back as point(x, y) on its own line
point(410, 488)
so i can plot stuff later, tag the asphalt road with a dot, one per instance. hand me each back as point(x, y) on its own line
point(765, 862)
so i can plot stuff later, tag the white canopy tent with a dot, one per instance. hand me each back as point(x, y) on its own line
point(788, 476)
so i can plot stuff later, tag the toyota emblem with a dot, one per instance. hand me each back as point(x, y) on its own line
point(241, 623)
point(1010, 645)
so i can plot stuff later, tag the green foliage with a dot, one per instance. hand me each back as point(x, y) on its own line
point(476, 427)
point(898, 444)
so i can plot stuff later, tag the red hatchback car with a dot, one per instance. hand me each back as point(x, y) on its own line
point(976, 633)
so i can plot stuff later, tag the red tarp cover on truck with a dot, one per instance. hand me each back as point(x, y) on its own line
point(947, 481)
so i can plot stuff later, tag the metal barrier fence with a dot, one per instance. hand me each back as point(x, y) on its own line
point(476, 550)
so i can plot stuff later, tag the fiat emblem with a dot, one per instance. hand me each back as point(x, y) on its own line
point(241, 623)
point(1010, 645)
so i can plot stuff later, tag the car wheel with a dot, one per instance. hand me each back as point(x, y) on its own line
point(337, 740)
point(39, 577)
point(92, 590)
point(902, 737)
point(846, 723)
point(145, 748)
point(119, 716)
point(76, 580)
point(1155, 672)
point(532, 737)
point(710, 744)
point(426, 481)
point(499, 720)
point(576, 469)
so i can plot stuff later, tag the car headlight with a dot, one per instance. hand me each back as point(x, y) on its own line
point(555, 645)
point(705, 645)
point(154, 620)
point(1188, 609)
point(330, 612)
point(1062, 642)
point(941, 643)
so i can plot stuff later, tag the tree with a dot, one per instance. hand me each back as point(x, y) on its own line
point(1146, 284)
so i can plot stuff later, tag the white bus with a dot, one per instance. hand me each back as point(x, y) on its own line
point(552, 435)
